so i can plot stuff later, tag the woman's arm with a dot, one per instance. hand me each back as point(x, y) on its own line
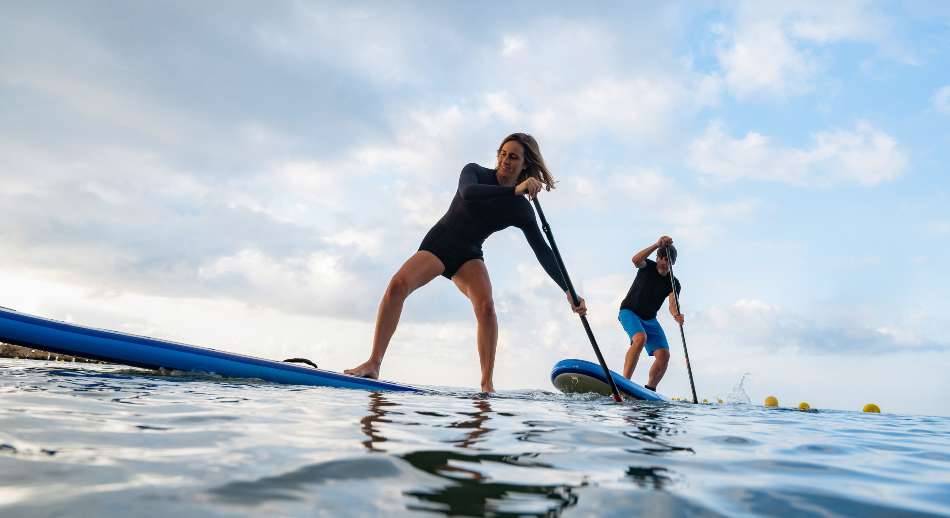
point(470, 189)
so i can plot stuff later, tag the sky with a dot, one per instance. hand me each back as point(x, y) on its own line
point(248, 176)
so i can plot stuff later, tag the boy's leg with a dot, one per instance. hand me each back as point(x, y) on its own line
point(633, 354)
point(657, 347)
point(661, 359)
point(638, 337)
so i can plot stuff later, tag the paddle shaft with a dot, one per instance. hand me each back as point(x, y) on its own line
point(576, 300)
point(679, 310)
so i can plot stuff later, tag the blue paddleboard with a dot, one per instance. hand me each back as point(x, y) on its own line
point(150, 353)
point(580, 376)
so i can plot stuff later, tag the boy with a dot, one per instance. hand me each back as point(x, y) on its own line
point(638, 309)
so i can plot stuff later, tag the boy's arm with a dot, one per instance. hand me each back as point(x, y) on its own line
point(640, 258)
point(675, 309)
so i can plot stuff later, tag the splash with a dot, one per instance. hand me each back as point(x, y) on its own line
point(738, 394)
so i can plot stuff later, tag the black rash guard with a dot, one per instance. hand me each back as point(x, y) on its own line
point(648, 291)
point(480, 208)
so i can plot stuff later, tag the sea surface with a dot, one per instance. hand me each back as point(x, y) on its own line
point(102, 440)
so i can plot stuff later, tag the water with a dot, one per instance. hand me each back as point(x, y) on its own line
point(98, 440)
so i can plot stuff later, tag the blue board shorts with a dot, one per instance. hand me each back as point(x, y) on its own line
point(632, 324)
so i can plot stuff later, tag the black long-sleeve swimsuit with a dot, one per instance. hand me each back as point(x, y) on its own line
point(480, 208)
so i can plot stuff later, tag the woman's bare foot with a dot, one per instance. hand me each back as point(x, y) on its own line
point(488, 388)
point(367, 369)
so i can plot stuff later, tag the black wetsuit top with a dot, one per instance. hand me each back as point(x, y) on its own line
point(648, 291)
point(480, 208)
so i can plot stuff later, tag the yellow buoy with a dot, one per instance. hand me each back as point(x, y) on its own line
point(771, 401)
point(705, 401)
point(803, 406)
point(871, 407)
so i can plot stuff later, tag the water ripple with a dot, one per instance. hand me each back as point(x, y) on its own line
point(96, 439)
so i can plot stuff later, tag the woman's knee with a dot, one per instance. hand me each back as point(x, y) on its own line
point(399, 288)
point(484, 309)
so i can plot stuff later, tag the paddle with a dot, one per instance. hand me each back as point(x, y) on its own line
point(570, 287)
point(679, 310)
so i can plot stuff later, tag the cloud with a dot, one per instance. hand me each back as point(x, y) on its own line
point(775, 50)
point(636, 106)
point(657, 200)
point(316, 283)
point(383, 45)
point(763, 59)
point(756, 323)
point(131, 222)
point(941, 100)
point(850, 20)
point(368, 242)
point(232, 147)
point(81, 85)
point(939, 227)
point(511, 45)
point(865, 156)
point(295, 191)
point(570, 78)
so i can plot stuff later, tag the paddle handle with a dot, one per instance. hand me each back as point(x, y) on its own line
point(575, 299)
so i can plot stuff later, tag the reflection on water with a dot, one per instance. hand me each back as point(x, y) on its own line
point(380, 409)
point(479, 483)
point(650, 425)
point(369, 425)
point(297, 484)
point(473, 493)
point(475, 425)
point(469, 489)
point(652, 477)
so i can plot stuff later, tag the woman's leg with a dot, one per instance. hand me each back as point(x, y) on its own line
point(472, 279)
point(416, 272)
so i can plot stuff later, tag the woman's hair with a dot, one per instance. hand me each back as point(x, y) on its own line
point(534, 162)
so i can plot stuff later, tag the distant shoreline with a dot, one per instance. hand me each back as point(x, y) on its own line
point(29, 353)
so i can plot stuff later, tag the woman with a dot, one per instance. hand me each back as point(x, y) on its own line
point(487, 200)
